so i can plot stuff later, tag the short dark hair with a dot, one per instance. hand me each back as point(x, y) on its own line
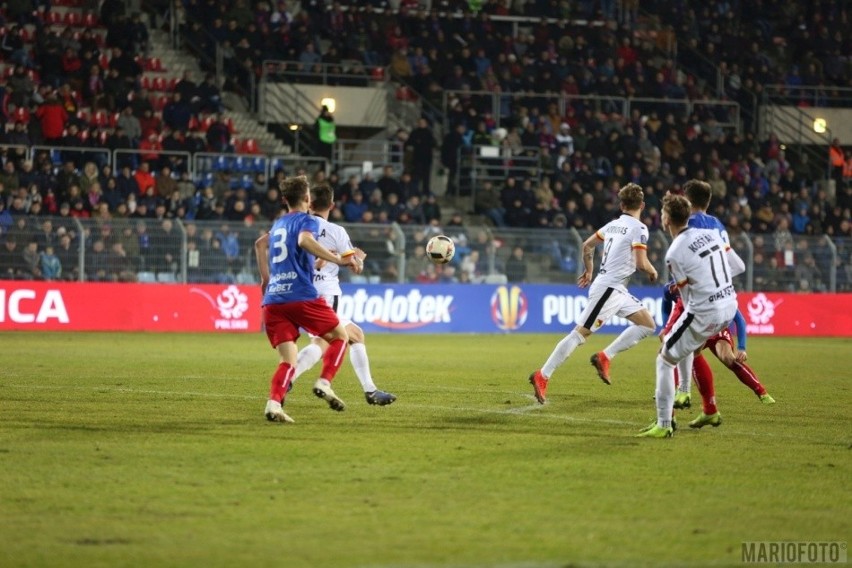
point(294, 189)
point(676, 207)
point(631, 196)
point(698, 192)
point(322, 197)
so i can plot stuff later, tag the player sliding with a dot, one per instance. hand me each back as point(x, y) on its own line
point(699, 265)
point(326, 279)
point(625, 243)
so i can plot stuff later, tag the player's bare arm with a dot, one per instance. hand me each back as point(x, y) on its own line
point(588, 260)
point(642, 263)
point(261, 252)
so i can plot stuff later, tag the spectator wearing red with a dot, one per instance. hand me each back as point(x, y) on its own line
point(53, 117)
point(144, 178)
point(71, 65)
point(838, 161)
point(150, 148)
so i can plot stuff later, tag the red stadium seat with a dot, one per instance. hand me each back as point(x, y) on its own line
point(193, 124)
point(83, 115)
point(158, 84)
point(206, 122)
point(249, 146)
point(146, 82)
point(73, 18)
point(22, 115)
point(90, 20)
point(154, 64)
point(160, 102)
point(54, 18)
point(113, 119)
point(100, 119)
point(103, 61)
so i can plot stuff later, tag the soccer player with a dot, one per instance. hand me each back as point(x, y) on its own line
point(335, 238)
point(699, 265)
point(698, 193)
point(285, 258)
point(625, 243)
point(722, 346)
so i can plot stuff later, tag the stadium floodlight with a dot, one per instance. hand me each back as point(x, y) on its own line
point(821, 126)
point(330, 103)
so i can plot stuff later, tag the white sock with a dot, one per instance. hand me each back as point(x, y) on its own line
point(665, 392)
point(561, 352)
point(627, 339)
point(307, 358)
point(684, 373)
point(361, 364)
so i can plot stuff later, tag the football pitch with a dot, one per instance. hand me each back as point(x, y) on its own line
point(152, 450)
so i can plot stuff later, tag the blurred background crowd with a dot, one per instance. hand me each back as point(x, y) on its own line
point(537, 80)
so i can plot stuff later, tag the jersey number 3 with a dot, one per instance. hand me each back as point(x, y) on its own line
point(279, 245)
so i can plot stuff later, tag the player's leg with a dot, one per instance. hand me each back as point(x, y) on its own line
point(683, 396)
point(644, 327)
point(703, 376)
point(319, 319)
point(710, 415)
point(683, 338)
point(724, 351)
point(361, 363)
point(539, 378)
point(309, 356)
point(282, 335)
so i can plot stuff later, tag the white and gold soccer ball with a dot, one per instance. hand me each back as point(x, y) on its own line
point(440, 249)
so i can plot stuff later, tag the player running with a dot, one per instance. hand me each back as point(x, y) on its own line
point(327, 281)
point(285, 259)
point(625, 242)
point(699, 265)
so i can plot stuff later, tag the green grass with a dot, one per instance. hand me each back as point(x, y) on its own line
point(151, 450)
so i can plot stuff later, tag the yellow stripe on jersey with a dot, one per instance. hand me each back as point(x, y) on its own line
point(599, 235)
point(682, 283)
point(639, 246)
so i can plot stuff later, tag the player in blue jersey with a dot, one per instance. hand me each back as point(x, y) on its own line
point(285, 258)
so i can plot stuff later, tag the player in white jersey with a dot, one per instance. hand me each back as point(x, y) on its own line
point(327, 282)
point(699, 265)
point(625, 242)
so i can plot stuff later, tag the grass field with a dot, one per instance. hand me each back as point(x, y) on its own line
point(152, 450)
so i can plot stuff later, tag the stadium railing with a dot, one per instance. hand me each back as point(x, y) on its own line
point(173, 250)
point(501, 105)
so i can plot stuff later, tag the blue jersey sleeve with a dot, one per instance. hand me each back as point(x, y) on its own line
point(740, 325)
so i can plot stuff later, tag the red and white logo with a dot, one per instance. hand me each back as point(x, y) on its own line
point(761, 310)
point(231, 304)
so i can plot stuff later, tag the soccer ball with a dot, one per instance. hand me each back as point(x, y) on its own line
point(440, 249)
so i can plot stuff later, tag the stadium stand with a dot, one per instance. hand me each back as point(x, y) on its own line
point(539, 110)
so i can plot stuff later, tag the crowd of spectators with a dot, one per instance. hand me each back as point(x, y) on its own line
point(583, 153)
